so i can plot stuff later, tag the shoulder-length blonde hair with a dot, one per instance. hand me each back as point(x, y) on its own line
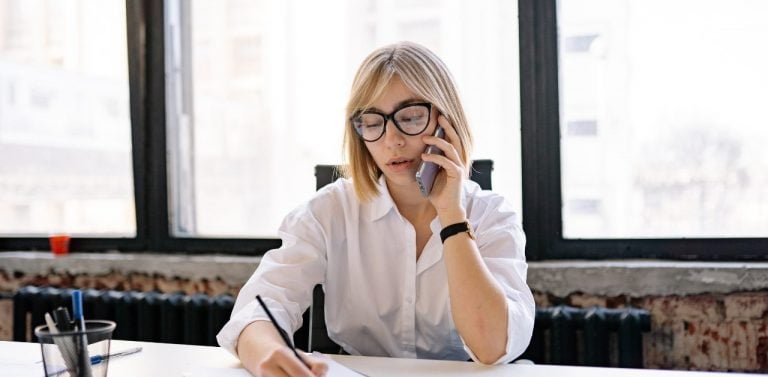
point(423, 73)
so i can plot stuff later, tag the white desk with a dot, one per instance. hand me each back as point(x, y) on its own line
point(159, 359)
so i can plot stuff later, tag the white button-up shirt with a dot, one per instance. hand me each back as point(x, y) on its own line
point(379, 299)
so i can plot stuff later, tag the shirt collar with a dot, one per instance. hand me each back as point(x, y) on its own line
point(382, 203)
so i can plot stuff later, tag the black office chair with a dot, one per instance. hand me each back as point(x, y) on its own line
point(313, 334)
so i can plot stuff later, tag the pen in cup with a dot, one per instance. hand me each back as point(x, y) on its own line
point(82, 342)
point(66, 348)
point(282, 332)
point(63, 322)
point(77, 309)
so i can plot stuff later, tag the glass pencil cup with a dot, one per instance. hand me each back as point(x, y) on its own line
point(71, 353)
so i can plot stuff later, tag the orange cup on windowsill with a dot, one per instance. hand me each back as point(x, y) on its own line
point(59, 244)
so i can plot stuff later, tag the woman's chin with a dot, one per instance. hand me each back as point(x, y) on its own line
point(402, 180)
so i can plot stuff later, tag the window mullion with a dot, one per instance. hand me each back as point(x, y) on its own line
point(180, 120)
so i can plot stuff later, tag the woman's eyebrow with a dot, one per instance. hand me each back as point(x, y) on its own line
point(398, 105)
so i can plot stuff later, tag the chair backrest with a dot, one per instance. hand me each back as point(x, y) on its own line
point(481, 173)
point(313, 334)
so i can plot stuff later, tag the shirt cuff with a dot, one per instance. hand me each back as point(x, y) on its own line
point(252, 312)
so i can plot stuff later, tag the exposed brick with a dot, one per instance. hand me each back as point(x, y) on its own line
point(141, 282)
point(217, 286)
point(743, 342)
point(661, 352)
point(7, 284)
point(761, 353)
point(168, 285)
point(584, 300)
point(708, 344)
point(698, 307)
point(111, 281)
point(6, 319)
point(541, 299)
point(83, 282)
point(745, 306)
point(190, 286)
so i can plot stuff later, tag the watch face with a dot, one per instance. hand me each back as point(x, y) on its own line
point(470, 232)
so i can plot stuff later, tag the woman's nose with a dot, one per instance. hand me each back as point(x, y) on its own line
point(392, 135)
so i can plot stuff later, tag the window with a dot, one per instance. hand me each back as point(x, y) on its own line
point(258, 89)
point(680, 155)
point(65, 131)
point(657, 148)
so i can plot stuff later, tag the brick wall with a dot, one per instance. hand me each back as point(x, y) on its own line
point(718, 332)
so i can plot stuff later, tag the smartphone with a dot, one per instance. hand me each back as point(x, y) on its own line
point(425, 176)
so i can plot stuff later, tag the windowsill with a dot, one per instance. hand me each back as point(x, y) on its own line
point(638, 278)
point(633, 278)
point(233, 270)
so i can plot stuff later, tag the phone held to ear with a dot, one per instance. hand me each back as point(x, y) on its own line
point(425, 176)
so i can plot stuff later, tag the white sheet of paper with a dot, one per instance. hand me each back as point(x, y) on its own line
point(337, 370)
point(217, 372)
point(334, 370)
point(20, 369)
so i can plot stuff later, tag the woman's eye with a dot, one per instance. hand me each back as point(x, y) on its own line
point(411, 119)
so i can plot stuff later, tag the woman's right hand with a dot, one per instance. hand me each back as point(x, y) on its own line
point(282, 362)
point(263, 354)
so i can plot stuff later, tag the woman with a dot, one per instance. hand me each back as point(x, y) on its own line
point(395, 285)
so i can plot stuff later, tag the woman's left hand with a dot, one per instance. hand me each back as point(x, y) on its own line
point(447, 190)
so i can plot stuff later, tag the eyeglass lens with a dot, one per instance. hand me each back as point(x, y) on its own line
point(411, 120)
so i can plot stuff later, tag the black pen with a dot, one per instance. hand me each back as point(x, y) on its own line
point(282, 332)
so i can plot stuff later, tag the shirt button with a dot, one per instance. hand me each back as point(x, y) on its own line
point(409, 300)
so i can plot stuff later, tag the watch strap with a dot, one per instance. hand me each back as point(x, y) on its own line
point(454, 229)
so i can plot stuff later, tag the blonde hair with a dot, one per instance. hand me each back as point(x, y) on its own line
point(424, 74)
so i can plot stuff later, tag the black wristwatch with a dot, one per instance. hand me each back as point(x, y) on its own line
point(454, 229)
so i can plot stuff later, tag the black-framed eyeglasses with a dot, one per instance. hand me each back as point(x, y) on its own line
point(411, 119)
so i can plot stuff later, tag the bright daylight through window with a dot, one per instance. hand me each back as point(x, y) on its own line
point(257, 92)
point(663, 118)
point(65, 131)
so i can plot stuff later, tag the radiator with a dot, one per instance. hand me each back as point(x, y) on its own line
point(591, 336)
point(145, 316)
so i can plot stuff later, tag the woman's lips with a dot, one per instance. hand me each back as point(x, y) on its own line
point(400, 165)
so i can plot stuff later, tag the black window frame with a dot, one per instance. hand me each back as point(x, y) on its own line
point(540, 135)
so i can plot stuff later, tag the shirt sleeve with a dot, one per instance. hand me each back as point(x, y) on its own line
point(501, 242)
point(284, 278)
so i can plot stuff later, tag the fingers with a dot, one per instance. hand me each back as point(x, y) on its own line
point(451, 169)
point(319, 368)
point(282, 362)
point(272, 371)
point(451, 136)
point(451, 162)
point(450, 145)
